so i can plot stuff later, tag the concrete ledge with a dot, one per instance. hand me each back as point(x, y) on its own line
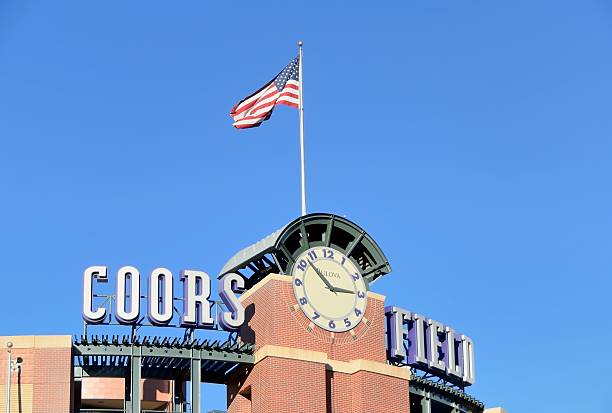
point(346, 367)
point(290, 353)
point(267, 279)
point(37, 341)
point(354, 366)
point(53, 341)
point(376, 296)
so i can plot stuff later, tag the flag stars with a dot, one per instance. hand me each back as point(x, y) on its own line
point(290, 72)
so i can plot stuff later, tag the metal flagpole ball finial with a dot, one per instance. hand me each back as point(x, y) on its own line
point(300, 43)
point(9, 344)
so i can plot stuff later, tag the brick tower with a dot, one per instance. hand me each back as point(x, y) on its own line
point(302, 368)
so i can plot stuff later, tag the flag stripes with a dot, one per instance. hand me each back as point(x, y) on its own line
point(284, 89)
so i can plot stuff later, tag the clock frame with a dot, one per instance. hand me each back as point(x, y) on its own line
point(329, 289)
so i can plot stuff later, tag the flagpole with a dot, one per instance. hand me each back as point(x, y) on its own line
point(301, 109)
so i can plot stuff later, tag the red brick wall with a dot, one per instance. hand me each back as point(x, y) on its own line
point(52, 378)
point(113, 388)
point(280, 385)
point(369, 392)
point(272, 319)
point(47, 369)
point(376, 393)
point(110, 388)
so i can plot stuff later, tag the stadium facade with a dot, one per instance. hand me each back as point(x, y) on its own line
point(303, 331)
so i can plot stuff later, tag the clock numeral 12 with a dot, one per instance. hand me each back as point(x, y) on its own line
point(328, 253)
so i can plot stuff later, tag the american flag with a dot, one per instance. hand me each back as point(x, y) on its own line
point(283, 89)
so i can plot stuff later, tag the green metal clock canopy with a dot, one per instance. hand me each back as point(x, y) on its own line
point(277, 252)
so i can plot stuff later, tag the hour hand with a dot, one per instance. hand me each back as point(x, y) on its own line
point(342, 290)
point(325, 281)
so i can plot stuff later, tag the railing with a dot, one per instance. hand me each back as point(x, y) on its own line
point(165, 411)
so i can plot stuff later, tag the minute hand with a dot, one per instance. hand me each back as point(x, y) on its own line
point(325, 281)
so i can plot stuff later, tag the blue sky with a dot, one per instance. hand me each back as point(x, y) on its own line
point(472, 139)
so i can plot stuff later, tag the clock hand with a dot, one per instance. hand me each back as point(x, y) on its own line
point(342, 290)
point(327, 283)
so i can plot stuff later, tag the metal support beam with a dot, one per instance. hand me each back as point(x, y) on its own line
point(196, 381)
point(8, 378)
point(426, 404)
point(179, 388)
point(134, 404)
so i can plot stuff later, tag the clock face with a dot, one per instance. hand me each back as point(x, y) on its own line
point(329, 289)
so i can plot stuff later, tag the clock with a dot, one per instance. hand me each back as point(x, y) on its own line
point(329, 289)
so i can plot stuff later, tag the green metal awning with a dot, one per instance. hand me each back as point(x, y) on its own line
point(276, 253)
point(160, 358)
point(445, 394)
